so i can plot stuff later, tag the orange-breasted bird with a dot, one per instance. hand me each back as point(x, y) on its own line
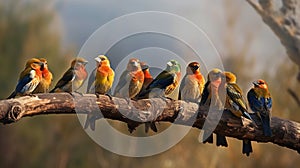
point(103, 80)
point(131, 80)
point(147, 76)
point(212, 96)
point(237, 105)
point(147, 80)
point(100, 82)
point(47, 77)
point(29, 78)
point(260, 102)
point(192, 84)
point(73, 78)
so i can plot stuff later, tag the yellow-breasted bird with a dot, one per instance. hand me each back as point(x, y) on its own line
point(29, 78)
point(260, 102)
point(212, 96)
point(100, 82)
point(103, 80)
point(73, 78)
point(237, 105)
point(192, 84)
point(47, 77)
point(131, 80)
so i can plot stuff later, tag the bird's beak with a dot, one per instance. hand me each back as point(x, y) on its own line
point(97, 59)
point(85, 62)
point(144, 67)
point(169, 63)
point(255, 83)
point(42, 65)
point(135, 64)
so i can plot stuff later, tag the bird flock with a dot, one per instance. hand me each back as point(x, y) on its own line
point(136, 82)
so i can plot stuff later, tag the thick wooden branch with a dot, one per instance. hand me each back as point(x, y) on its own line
point(284, 22)
point(285, 133)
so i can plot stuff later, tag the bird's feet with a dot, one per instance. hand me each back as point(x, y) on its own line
point(110, 96)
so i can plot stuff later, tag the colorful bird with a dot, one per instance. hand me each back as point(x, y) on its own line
point(131, 80)
point(260, 102)
point(47, 77)
point(29, 78)
point(165, 83)
point(147, 77)
point(213, 96)
point(104, 76)
point(100, 82)
point(235, 101)
point(237, 105)
point(73, 78)
point(192, 84)
point(147, 80)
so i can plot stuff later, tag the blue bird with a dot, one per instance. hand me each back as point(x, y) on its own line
point(260, 102)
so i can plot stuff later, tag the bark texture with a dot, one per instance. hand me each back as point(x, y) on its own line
point(285, 133)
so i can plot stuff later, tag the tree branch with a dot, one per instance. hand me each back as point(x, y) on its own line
point(285, 133)
point(284, 22)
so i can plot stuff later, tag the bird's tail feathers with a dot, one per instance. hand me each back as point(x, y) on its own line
point(247, 147)
point(266, 125)
point(12, 95)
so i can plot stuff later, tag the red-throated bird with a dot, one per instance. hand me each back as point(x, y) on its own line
point(47, 77)
point(131, 80)
point(213, 96)
point(29, 78)
point(192, 84)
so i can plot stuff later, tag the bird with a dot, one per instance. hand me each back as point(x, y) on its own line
point(235, 101)
point(29, 78)
point(131, 81)
point(102, 81)
point(147, 80)
point(237, 105)
point(212, 96)
point(165, 83)
point(192, 84)
point(260, 102)
point(47, 77)
point(99, 82)
point(147, 76)
point(73, 78)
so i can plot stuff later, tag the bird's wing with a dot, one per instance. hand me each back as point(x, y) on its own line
point(163, 80)
point(23, 82)
point(91, 80)
point(205, 93)
point(67, 77)
point(236, 95)
point(255, 104)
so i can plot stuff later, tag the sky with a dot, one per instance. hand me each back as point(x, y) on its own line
point(80, 19)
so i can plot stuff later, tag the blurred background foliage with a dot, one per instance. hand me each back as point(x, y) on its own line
point(33, 28)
